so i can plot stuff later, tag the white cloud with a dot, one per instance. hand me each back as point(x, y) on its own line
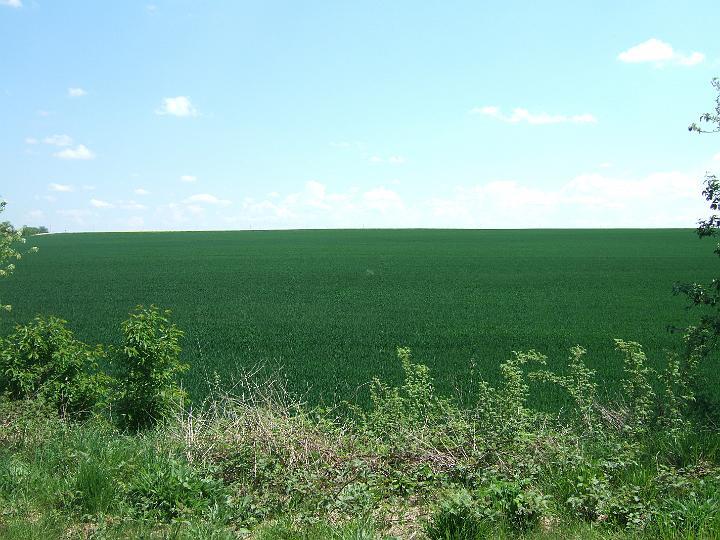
point(666, 199)
point(393, 160)
point(31, 140)
point(658, 52)
point(77, 216)
point(316, 206)
point(206, 198)
point(605, 165)
point(11, 3)
point(523, 115)
point(716, 157)
point(97, 203)
point(81, 152)
point(76, 92)
point(694, 59)
point(595, 199)
point(61, 187)
point(58, 140)
point(43, 113)
point(177, 106)
point(382, 199)
point(136, 222)
point(131, 205)
point(36, 214)
point(141, 191)
point(188, 178)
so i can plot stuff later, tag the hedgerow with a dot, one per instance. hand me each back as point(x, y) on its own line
point(256, 461)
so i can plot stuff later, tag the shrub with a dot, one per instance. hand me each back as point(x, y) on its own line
point(148, 367)
point(43, 359)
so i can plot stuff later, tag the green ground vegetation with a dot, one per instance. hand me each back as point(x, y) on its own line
point(101, 441)
point(257, 463)
point(330, 307)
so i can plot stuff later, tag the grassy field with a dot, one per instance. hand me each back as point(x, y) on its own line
point(330, 307)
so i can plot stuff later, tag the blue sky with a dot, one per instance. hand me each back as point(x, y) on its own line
point(175, 115)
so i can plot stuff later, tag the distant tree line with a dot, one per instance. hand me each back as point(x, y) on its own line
point(25, 230)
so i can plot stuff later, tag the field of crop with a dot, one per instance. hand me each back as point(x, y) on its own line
point(330, 307)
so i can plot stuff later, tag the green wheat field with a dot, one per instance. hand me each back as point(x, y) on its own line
point(329, 307)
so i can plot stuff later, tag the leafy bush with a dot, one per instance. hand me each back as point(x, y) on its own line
point(43, 359)
point(634, 467)
point(148, 367)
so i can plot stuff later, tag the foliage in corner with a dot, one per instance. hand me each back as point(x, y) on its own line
point(148, 365)
point(702, 337)
point(711, 118)
point(9, 240)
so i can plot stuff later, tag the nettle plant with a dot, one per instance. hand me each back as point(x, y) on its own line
point(148, 365)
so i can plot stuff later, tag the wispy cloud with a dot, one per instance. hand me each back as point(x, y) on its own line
point(188, 178)
point(11, 3)
point(206, 198)
point(393, 160)
point(61, 187)
point(664, 199)
point(58, 140)
point(523, 115)
point(141, 191)
point(98, 203)
point(317, 206)
point(80, 152)
point(76, 215)
point(131, 205)
point(31, 140)
point(383, 200)
point(658, 52)
point(177, 106)
point(76, 92)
